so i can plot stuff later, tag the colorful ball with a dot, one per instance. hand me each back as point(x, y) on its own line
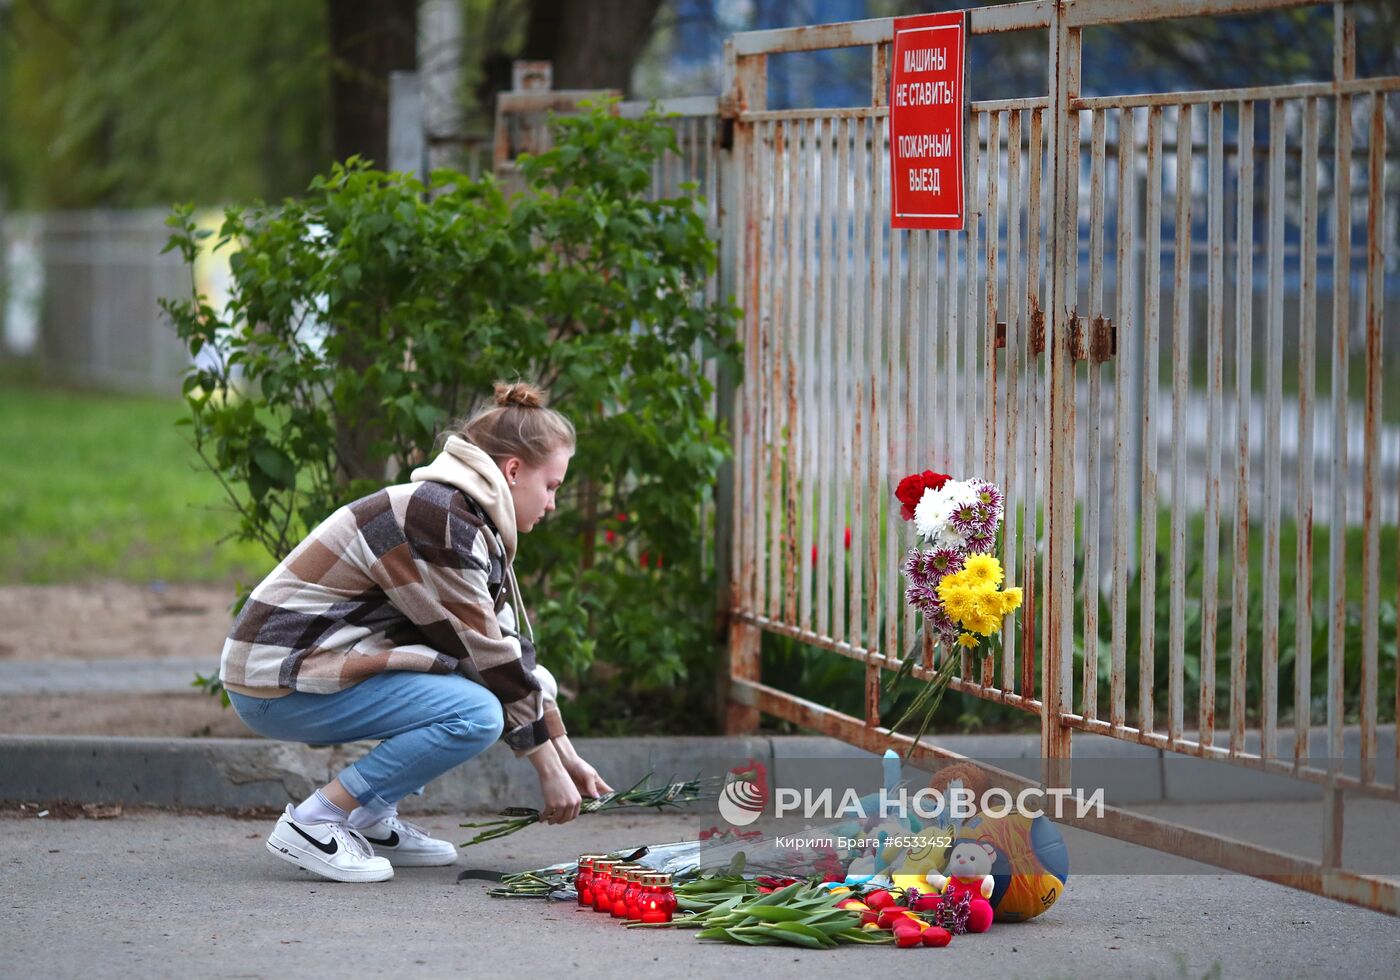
point(1031, 867)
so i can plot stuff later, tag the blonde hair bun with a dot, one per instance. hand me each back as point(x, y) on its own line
point(518, 394)
point(517, 423)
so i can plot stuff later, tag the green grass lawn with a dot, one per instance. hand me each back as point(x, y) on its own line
point(96, 486)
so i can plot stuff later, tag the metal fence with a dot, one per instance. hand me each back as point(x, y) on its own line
point(96, 279)
point(1157, 301)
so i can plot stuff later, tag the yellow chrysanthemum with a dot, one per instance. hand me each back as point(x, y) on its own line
point(1010, 601)
point(957, 601)
point(986, 617)
point(983, 570)
point(982, 622)
point(968, 640)
point(951, 586)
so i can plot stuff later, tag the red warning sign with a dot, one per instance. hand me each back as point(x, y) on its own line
point(927, 103)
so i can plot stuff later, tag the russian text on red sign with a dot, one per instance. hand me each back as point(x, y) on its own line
point(927, 106)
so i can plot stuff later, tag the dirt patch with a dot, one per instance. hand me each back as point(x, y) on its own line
point(193, 715)
point(113, 619)
point(116, 620)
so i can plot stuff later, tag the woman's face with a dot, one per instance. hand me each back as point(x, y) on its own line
point(533, 487)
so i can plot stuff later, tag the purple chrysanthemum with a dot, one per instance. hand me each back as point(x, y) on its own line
point(945, 561)
point(923, 597)
point(989, 495)
point(987, 521)
point(963, 519)
point(945, 628)
point(979, 542)
point(918, 567)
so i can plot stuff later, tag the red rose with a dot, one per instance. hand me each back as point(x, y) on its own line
point(910, 489)
point(934, 481)
point(906, 512)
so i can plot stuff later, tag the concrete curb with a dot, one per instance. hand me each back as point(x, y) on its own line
point(235, 773)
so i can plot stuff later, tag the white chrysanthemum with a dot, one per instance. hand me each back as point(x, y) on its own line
point(932, 515)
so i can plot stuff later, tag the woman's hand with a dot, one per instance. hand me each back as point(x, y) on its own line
point(585, 777)
point(561, 796)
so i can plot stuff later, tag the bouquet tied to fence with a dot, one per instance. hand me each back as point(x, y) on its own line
point(953, 577)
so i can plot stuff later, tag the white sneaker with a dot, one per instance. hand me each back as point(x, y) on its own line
point(407, 846)
point(331, 850)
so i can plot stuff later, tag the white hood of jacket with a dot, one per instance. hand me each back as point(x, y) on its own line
point(466, 466)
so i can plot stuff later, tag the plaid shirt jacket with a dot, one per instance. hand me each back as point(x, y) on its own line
point(412, 577)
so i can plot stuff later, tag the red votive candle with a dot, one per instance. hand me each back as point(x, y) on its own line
point(657, 901)
point(583, 881)
point(602, 884)
point(617, 891)
point(633, 895)
point(622, 886)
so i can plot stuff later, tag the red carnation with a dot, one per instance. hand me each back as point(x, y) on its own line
point(910, 489)
point(935, 481)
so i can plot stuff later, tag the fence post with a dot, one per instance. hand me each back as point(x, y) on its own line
point(745, 87)
point(407, 152)
point(1058, 657)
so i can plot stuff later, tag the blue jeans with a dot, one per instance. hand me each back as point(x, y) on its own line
point(428, 724)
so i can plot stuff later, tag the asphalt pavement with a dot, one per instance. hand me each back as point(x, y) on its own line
point(159, 894)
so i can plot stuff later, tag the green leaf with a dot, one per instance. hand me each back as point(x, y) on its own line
point(278, 467)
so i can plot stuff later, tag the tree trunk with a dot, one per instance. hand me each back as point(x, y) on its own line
point(368, 40)
point(592, 43)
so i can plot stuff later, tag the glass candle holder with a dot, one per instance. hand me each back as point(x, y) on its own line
point(668, 892)
point(617, 891)
point(602, 883)
point(632, 897)
point(583, 881)
point(657, 902)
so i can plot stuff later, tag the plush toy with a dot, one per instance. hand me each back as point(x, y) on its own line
point(920, 863)
point(970, 870)
point(875, 867)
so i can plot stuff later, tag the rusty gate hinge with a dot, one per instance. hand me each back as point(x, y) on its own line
point(999, 341)
point(1078, 349)
point(1103, 344)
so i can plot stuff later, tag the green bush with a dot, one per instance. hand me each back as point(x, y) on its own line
point(366, 315)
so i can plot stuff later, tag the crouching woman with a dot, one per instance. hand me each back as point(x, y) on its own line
point(396, 620)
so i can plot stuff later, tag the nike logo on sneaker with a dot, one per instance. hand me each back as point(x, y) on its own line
point(325, 848)
point(391, 841)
